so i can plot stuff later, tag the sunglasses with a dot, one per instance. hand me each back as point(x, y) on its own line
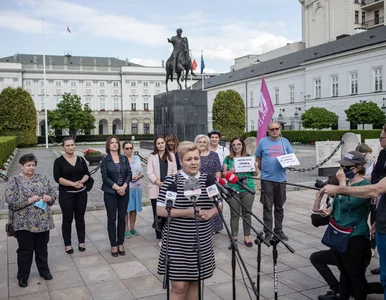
point(274, 129)
point(237, 145)
point(128, 148)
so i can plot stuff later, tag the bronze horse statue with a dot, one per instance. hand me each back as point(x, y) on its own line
point(184, 64)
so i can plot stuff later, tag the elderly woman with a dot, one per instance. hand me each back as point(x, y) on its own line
point(116, 176)
point(29, 197)
point(347, 210)
point(160, 164)
point(210, 164)
point(183, 271)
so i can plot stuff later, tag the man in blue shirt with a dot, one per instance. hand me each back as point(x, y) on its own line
point(273, 193)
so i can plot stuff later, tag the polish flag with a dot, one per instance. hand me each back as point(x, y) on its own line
point(194, 65)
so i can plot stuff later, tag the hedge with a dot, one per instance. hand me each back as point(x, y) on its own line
point(96, 138)
point(7, 146)
point(310, 136)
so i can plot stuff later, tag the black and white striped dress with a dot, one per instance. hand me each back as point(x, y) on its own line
point(182, 236)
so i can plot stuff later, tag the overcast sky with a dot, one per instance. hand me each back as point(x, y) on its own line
point(138, 30)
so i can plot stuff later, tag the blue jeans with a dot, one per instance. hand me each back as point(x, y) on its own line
point(381, 245)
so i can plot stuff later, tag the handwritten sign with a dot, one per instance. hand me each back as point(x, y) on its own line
point(244, 164)
point(288, 160)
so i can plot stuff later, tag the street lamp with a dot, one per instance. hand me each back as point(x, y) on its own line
point(384, 105)
point(296, 111)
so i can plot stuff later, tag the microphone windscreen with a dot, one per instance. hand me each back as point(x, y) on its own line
point(210, 180)
point(192, 183)
point(231, 177)
point(221, 181)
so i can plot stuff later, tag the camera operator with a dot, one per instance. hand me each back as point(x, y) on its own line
point(321, 260)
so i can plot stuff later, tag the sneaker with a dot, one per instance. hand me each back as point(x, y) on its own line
point(282, 236)
point(134, 232)
point(331, 295)
point(127, 234)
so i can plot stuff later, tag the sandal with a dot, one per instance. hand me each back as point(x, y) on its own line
point(248, 243)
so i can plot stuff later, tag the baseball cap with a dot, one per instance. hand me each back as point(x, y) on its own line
point(352, 158)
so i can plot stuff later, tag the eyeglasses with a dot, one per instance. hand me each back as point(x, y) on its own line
point(274, 129)
point(347, 168)
point(202, 142)
point(382, 137)
point(237, 145)
point(128, 148)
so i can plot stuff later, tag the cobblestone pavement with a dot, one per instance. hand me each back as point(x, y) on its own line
point(95, 274)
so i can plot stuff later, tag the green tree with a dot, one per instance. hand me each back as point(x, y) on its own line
point(70, 115)
point(229, 113)
point(18, 116)
point(365, 113)
point(319, 118)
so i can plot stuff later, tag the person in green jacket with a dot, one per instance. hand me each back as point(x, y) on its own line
point(346, 210)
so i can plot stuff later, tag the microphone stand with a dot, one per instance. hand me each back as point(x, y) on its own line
point(198, 246)
point(258, 241)
point(274, 241)
point(167, 260)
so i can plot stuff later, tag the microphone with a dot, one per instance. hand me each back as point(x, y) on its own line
point(224, 188)
point(232, 178)
point(171, 195)
point(212, 189)
point(192, 189)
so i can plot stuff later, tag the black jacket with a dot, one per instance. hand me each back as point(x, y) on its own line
point(110, 173)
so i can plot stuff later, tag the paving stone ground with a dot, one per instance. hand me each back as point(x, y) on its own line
point(95, 274)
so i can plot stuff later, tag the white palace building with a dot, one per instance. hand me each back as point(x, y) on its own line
point(119, 93)
point(341, 61)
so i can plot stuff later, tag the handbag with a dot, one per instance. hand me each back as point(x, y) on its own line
point(9, 229)
point(89, 183)
point(336, 237)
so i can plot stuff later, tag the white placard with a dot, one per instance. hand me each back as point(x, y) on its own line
point(288, 160)
point(324, 150)
point(244, 164)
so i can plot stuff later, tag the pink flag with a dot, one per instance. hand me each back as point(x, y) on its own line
point(266, 111)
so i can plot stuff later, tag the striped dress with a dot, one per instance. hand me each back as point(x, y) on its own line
point(182, 236)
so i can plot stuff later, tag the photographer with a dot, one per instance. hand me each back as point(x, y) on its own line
point(321, 260)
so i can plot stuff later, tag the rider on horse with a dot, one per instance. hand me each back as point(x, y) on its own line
point(177, 47)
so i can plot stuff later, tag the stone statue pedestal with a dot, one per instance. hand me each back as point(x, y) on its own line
point(182, 112)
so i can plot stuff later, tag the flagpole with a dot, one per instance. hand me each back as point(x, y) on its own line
point(202, 73)
point(45, 89)
point(191, 76)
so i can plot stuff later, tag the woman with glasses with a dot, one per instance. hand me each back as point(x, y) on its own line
point(347, 210)
point(222, 152)
point(238, 149)
point(135, 203)
point(29, 196)
point(160, 164)
point(210, 164)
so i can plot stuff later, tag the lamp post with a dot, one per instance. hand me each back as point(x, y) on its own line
point(384, 105)
point(296, 115)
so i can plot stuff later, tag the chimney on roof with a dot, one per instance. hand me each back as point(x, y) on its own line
point(162, 63)
point(15, 57)
point(127, 61)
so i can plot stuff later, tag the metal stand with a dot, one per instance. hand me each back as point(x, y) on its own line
point(167, 260)
point(274, 241)
point(198, 249)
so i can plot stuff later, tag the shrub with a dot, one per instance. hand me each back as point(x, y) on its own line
point(7, 146)
point(18, 116)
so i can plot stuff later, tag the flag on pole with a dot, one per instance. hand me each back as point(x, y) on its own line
point(266, 111)
point(202, 63)
point(68, 29)
point(194, 65)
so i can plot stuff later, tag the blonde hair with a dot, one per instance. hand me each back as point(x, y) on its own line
point(185, 147)
point(364, 148)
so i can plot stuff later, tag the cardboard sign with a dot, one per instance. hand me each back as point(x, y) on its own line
point(244, 164)
point(288, 160)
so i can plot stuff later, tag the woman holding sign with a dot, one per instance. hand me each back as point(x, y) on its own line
point(238, 149)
